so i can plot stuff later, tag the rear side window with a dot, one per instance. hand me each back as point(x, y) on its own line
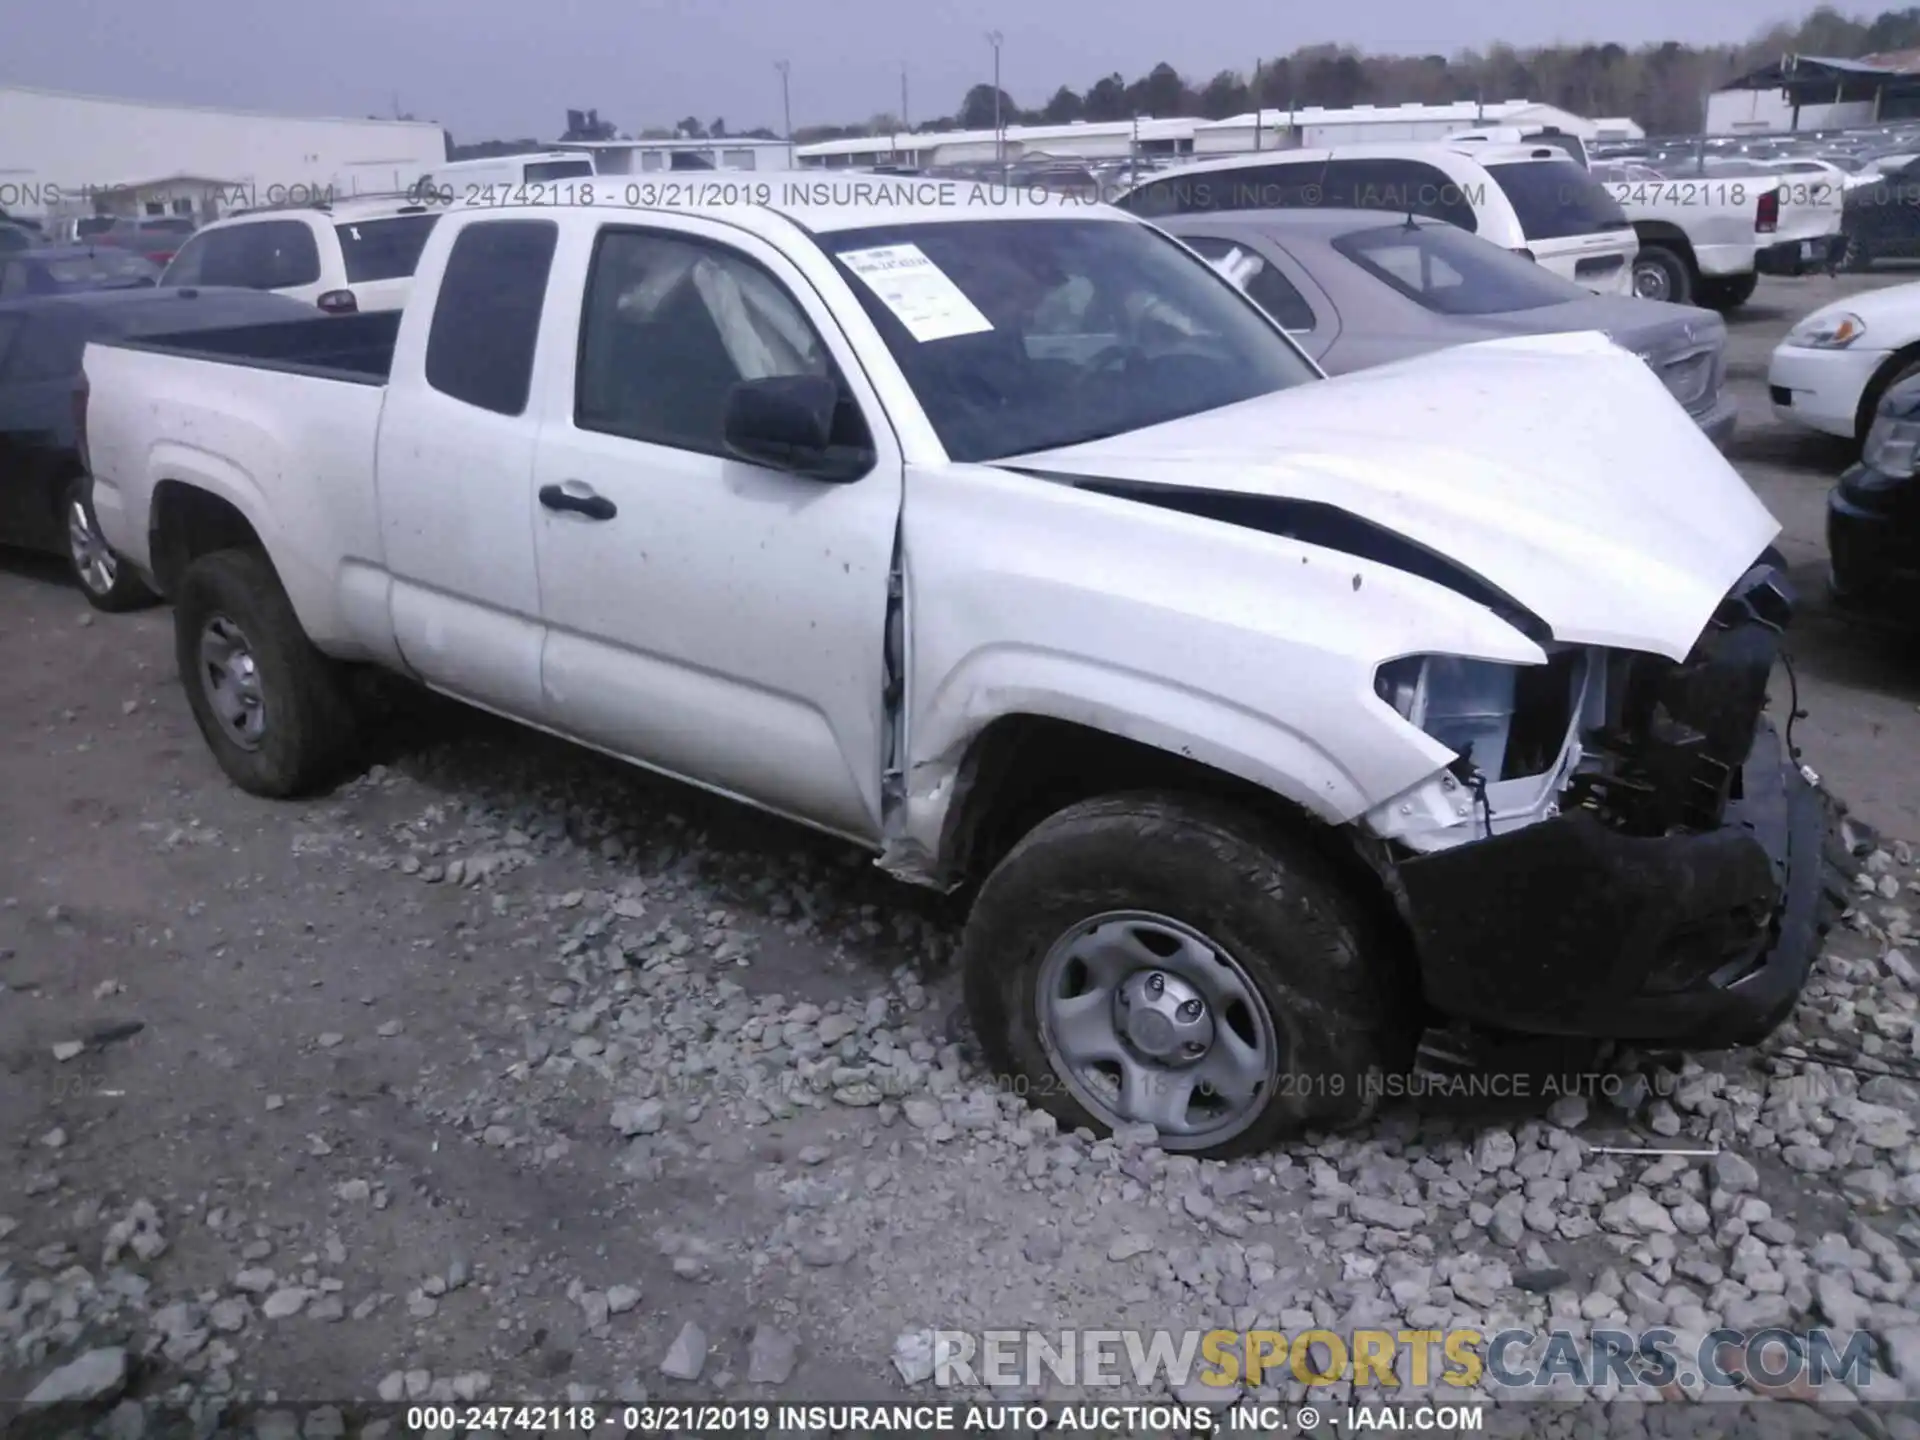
point(383, 249)
point(487, 316)
point(1409, 186)
point(262, 255)
point(542, 170)
point(1259, 277)
point(1556, 199)
point(1449, 273)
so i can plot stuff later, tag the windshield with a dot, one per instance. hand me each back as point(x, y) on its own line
point(1020, 335)
point(1450, 272)
point(383, 249)
point(1556, 199)
point(104, 269)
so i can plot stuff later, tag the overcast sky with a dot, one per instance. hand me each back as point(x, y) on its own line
point(492, 69)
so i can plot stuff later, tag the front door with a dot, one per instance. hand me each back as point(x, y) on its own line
point(706, 616)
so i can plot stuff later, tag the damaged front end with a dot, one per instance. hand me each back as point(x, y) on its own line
point(1623, 847)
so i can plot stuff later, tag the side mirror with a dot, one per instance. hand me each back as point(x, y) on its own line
point(785, 422)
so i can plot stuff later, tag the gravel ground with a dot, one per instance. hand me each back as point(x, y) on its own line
point(505, 1071)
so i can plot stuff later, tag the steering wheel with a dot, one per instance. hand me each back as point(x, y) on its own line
point(1107, 360)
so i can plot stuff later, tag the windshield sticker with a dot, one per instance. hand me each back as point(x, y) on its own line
point(919, 293)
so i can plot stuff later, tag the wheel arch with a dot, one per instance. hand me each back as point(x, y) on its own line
point(1877, 386)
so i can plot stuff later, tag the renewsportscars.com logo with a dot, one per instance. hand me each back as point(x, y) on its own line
point(1384, 1360)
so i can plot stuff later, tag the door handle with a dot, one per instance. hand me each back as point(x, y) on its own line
point(594, 507)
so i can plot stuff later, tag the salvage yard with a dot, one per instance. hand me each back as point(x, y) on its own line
point(507, 1070)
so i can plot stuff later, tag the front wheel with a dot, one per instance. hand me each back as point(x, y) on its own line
point(108, 582)
point(273, 709)
point(1169, 961)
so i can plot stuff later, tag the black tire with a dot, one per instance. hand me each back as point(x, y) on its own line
point(109, 583)
point(1727, 292)
point(1876, 392)
point(1674, 272)
point(1322, 967)
point(308, 728)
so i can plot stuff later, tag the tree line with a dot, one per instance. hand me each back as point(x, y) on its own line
point(1663, 87)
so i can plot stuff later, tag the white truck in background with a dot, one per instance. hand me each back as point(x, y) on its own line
point(1012, 543)
point(1706, 238)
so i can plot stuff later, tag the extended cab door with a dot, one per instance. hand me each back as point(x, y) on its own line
point(706, 616)
point(455, 469)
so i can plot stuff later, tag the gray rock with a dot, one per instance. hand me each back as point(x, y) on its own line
point(1569, 1112)
point(284, 1303)
point(1734, 1173)
point(1387, 1214)
point(1128, 1246)
point(1043, 1247)
point(1839, 1303)
point(622, 1298)
point(94, 1376)
point(687, 1356)
point(771, 1356)
point(642, 1117)
point(1902, 1346)
point(913, 1356)
point(1494, 1151)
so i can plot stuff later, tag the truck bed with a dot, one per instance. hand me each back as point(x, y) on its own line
point(353, 348)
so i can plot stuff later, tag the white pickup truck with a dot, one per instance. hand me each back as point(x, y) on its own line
point(1705, 239)
point(1274, 721)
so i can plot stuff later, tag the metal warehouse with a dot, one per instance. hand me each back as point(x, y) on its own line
point(65, 154)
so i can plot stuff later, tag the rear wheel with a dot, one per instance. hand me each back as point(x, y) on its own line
point(1169, 961)
point(1662, 274)
point(108, 582)
point(1727, 292)
point(275, 712)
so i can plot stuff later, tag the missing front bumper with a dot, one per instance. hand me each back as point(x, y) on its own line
point(1570, 928)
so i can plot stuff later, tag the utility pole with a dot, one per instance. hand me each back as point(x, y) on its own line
point(905, 123)
point(786, 104)
point(1259, 108)
point(994, 37)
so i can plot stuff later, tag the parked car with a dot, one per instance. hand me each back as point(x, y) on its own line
point(1873, 516)
point(1530, 199)
point(347, 256)
point(155, 236)
point(15, 238)
point(1706, 236)
point(43, 495)
point(62, 269)
point(1835, 364)
point(1356, 290)
point(507, 179)
point(78, 229)
point(1275, 717)
point(1881, 218)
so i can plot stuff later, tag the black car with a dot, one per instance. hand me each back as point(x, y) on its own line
point(1873, 515)
point(65, 269)
point(15, 238)
point(1880, 219)
point(44, 499)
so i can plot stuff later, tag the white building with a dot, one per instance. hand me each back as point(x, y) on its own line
point(1080, 140)
point(643, 157)
point(67, 154)
point(1314, 126)
point(1743, 112)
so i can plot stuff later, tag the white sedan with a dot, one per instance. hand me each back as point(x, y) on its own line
point(1833, 367)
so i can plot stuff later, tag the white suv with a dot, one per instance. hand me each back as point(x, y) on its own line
point(1531, 199)
point(347, 256)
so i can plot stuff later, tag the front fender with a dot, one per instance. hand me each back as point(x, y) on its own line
point(1251, 653)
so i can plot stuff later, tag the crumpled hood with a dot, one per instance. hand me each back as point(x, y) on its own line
point(1557, 468)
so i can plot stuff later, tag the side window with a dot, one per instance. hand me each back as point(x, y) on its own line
point(1400, 185)
point(189, 261)
point(10, 328)
point(487, 315)
point(671, 324)
point(1265, 285)
point(45, 349)
point(278, 255)
point(1243, 187)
